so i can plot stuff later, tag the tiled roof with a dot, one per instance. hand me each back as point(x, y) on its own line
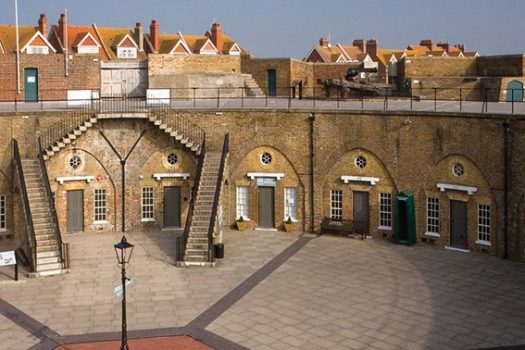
point(75, 34)
point(112, 37)
point(8, 36)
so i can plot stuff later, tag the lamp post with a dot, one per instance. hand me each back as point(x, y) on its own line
point(123, 250)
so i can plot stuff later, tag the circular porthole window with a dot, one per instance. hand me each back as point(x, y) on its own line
point(458, 169)
point(360, 162)
point(266, 158)
point(172, 159)
point(75, 162)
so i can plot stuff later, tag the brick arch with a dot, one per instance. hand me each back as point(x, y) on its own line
point(340, 152)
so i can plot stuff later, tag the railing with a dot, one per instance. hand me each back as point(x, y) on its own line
point(194, 190)
point(27, 209)
point(365, 97)
point(66, 124)
point(213, 219)
point(49, 193)
point(181, 125)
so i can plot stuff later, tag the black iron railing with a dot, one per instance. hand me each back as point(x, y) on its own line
point(51, 203)
point(194, 190)
point(213, 219)
point(54, 133)
point(27, 208)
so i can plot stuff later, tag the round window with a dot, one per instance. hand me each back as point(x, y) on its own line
point(172, 159)
point(458, 169)
point(266, 158)
point(75, 162)
point(360, 162)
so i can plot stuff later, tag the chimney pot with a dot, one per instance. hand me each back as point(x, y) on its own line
point(217, 36)
point(154, 35)
point(42, 24)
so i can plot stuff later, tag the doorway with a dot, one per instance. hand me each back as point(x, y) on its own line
point(172, 206)
point(30, 85)
point(75, 211)
point(458, 224)
point(360, 212)
point(515, 91)
point(272, 82)
point(266, 207)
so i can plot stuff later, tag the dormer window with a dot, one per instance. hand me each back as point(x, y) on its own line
point(126, 52)
point(88, 50)
point(37, 50)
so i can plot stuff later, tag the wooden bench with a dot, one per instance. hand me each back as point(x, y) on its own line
point(329, 225)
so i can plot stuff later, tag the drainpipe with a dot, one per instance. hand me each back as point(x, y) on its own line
point(507, 170)
point(311, 117)
point(17, 51)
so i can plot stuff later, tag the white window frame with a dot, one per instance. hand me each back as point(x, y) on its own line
point(147, 201)
point(336, 204)
point(484, 224)
point(37, 50)
point(242, 202)
point(126, 52)
point(385, 211)
point(88, 50)
point(290, 203)
point(433, 220)
point(3, 213)
point(100, 200)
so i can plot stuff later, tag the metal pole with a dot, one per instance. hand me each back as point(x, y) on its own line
point(512, 100)
point(123, 196)
point(460, 100)
point(411, 98)
point(435, 99)
point(17, 51)
point(124, 345)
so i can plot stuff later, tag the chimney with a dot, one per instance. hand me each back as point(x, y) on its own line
point(42, 24)
point(371, 48)
point(324, 42)
point(216, 36)
point(360, 43)
point(444, 46)
point(461, 47)
point(154, 35)
point(62, 28)
point(139, 36)
point(427, 43)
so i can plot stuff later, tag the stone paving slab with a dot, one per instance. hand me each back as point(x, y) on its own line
point(162, 295)
point(339, 293)
point(12, 337)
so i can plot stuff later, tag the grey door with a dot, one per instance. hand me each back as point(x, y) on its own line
point(360, 217)
point(458, 224)
point(266, 207)
point(172, 206)
point(75, 211)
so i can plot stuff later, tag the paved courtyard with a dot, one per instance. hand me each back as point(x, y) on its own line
point(273, 290)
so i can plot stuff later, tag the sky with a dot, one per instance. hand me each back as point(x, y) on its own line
point(290, 28)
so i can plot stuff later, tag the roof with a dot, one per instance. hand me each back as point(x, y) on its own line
point(75, 36)
point(8, 36)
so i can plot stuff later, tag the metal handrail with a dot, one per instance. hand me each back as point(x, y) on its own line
point(45, 179)
point(27, 209)
point(213, 219)
point(194, 190)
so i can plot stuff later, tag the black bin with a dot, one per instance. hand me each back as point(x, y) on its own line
point(219, 250)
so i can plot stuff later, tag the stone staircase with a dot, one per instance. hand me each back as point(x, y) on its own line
point(69, 135)
point(48, 259)
point(252, 88)
point(197, 249)
point(174, 131)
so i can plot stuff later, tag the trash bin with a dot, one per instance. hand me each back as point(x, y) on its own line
point(219, 250)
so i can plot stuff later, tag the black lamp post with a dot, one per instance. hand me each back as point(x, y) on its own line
point(123, 250)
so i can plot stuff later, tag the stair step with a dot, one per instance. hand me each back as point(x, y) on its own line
point(45, 237)
point(49, 260)
point(47, 254)
point(46, 248)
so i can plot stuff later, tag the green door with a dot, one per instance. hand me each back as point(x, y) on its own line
point(31, 85)
point(272, 82)
point(515, 91)
point(360, 212)
point(172, 206)
point(458, 224)
point(405, 219)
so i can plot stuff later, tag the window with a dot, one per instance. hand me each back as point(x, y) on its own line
point(2, 214)
point(458, 169)
point(126, 52)
point(266, 158)
point(432, 216)
point(100, 205)
point(37, 50)
point(385, 211)
point(483, 223)
point(360, 162)
point(290, 207)
point(242, 202)
point(172, 159)
point(147, 204)
point(88, 50)
point(336, 204)
point(75, 162)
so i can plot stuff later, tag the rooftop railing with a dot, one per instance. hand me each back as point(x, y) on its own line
point(468, 100)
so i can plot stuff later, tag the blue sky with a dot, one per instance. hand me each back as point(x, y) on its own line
point(289, 28)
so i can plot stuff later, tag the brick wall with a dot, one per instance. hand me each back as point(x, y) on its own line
point(258, 68)
point(84, 73)
point(501, 66)
point(170, 64)
point(407, 151)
